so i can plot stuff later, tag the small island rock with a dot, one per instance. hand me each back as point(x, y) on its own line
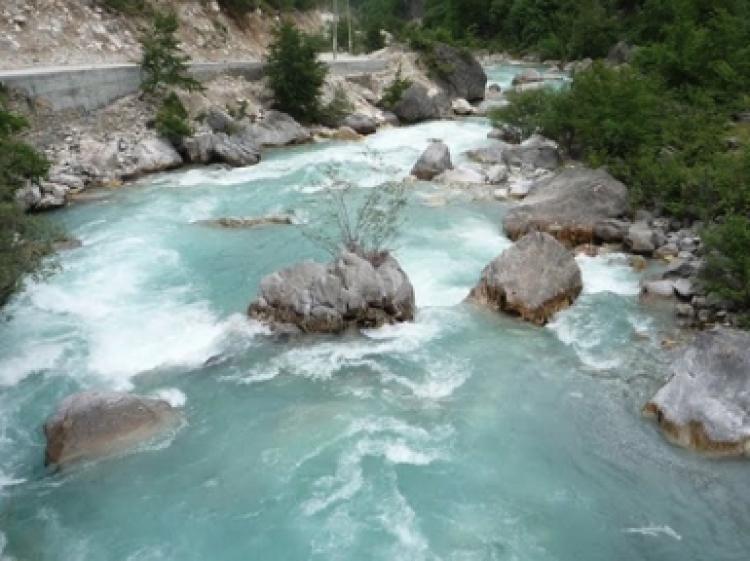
point(534, 278)
point(351, 292)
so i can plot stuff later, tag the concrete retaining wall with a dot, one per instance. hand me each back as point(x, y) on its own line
point(90, 88)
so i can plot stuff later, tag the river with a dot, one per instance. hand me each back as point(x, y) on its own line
point(465, 435)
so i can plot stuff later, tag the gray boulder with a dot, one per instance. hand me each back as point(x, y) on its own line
point(434, 160)
point(534, 278)
point(506, 133)
point(611, 230)
point(535, 153)
point(154, 155)
point(419, 104)
point(361, 124)
point(528, 76)
point(276, 129)
point(28, 196)
point(236, 150)
point(460, 73)
point(641, 239)
point(95, 424)
point(568, 205)
point(705, 405)
point(462, 176)
point(351, 292)
point(218, 121)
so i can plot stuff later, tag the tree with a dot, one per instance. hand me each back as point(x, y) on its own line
point(163, 64)
point(295, 75)
point(362, 221)
point(25, 241)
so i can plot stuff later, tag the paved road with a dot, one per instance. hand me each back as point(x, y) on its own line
point(93, 86)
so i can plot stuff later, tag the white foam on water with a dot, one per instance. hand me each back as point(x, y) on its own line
point(391, 439)
point(324, 360)
point(6, 481)
point(442, 378)
point(173, 396)
point(32, 357)
point(655, 532)
point(400, 520)
point(585, 333)
point(608, 273)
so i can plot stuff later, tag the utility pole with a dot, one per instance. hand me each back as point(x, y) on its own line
point(349, 19)
point(335, 28)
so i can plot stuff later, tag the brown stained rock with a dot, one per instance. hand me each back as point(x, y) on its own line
point(705, 404)
point(568, 206)
point(535, 278)
point(94, 424)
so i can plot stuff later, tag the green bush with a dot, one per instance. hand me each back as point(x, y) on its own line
point(172, 119)
point(339, 107)
point(295, 75)
point(727, 269)
point(25, 240)
point(395, 90)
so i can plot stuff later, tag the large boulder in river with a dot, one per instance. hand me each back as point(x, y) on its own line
point(154, 155)
point(420, 103)
point(351, 292)
point(434, 160)
point(534, 278)
point(459, 73)
point(705, 405)
point(276, 129)
point(95, 424)
point(236, 150)
point(568, 205)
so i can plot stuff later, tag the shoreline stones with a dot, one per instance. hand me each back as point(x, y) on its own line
point(95, 424)
point(535, 278)
point(568, 206)
point(350, 292)
point(705, 405)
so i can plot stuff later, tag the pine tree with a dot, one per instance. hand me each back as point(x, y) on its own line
point(163, 63)
point(294, 72)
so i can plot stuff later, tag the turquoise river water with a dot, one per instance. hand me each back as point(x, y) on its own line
point(462, 436)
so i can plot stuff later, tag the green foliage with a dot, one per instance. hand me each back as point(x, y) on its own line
point(334, 111)
point(295, 75)
point(727, 269)
point(395, 90)
point(163, 64)
point(172, 119)
point(25, 241)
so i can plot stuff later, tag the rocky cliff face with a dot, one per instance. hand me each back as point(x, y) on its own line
point(78, 32)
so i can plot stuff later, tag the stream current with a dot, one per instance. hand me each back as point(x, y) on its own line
point(465, 435)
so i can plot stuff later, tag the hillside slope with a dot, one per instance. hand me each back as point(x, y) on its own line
point(79, 32)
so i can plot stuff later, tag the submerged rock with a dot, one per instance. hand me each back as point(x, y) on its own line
point(705, 405)
point(568, 205)
point(238, 223)
point(534, 278)
point(351, 292)
point(95, 424)
point(434, 160)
